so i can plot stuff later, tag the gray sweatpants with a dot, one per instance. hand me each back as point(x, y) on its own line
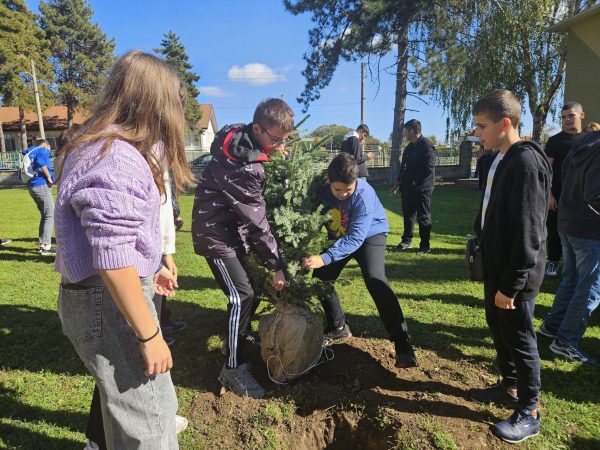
point(138, 411)
point(42, 196)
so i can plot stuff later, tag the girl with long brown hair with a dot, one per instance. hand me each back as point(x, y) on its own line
point(109, 247)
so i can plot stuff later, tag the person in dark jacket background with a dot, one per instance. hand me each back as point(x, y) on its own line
point(354, 145)
point(511, 225)
point(557, 148)
point(579, 227)
point(415, 182)
point(229, 217)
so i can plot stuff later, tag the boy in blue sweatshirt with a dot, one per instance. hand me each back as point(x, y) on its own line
point(360, 226)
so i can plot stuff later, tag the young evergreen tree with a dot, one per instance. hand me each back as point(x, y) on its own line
point(81, 52)
point(22, 41)
point(296, 216)
point(174, 52)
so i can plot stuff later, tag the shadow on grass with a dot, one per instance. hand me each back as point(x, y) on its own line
point(13, 409)
point(16, 437)
point(24, 255)
point(32, 340)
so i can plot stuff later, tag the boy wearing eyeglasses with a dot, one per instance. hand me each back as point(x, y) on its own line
point(229, 217)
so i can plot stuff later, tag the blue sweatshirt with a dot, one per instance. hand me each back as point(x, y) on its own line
point(39, 156)
point(353, 220)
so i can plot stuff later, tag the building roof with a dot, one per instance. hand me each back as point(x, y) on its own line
point(208, 114)
point(55, 118)
point(564, 25)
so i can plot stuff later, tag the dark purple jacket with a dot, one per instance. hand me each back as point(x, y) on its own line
point(229, 215)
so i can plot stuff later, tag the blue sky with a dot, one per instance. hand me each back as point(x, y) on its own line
point(246, 51)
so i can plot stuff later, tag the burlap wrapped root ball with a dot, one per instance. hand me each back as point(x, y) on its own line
point(291, 340)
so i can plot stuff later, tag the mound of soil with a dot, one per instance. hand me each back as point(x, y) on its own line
point(357, 400)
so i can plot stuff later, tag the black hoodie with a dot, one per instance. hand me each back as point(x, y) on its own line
point(229, 213)
point(579, 204)
point(514, 235)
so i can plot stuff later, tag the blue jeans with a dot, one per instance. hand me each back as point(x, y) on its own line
point(42, 196)
point(579, 292)
point(138, 412)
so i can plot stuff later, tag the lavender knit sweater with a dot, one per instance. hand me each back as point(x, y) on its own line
point(107, 213)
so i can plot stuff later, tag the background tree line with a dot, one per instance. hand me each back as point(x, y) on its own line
point(72, 58)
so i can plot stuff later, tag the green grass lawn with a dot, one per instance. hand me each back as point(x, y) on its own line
point(45, 391)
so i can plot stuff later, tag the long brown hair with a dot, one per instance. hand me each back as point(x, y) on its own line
point(145, 99)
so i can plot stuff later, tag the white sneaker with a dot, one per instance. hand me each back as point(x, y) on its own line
point(91, 445)
point(181, 424)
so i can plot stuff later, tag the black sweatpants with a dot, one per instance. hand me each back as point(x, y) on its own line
point(416, 207)
point(233, 280)
point(370, 256)
point(516, 346)
point(553, 245)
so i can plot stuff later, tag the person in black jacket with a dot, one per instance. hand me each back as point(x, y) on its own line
point(415, 182)
point(354, 145)
point(229, 217)
point(579, 227)
point(557, 148)
point(511, 225)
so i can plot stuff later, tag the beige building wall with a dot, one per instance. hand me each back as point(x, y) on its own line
point(582, 82)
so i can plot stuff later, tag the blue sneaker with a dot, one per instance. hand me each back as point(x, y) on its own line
point(518, 427)
point(571, 352)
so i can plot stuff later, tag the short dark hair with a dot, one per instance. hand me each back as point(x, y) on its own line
point(572, 105)
point(414, 125)
point(40, 141)
point(364, 128)
point(342, 168)
point(274, 112)
point(499, 104)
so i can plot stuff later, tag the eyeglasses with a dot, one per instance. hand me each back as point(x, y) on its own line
point(275, 141)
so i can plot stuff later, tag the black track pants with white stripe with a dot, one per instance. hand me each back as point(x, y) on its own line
point(233, 281)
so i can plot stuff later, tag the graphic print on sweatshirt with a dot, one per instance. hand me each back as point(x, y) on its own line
point(339, 222)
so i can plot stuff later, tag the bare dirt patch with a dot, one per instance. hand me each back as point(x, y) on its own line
point(357, 400)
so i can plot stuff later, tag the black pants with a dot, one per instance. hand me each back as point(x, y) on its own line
point(371, 258)
point(553, 245)
point(416, 207)
point(516, 346)
point(232, 278)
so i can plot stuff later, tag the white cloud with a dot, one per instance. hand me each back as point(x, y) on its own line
point(255, 73)
point(214, 91)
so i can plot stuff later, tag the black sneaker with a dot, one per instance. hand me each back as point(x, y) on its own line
point(342, 332)
point(4, 242)
point(252, 339)
point(571, 352)
point(518, 427)
point(424, 251)
point(405, 356)
point(546, 332)
point(241, 381)
point(404, 245)
point(172, 326)
point(494, 394)
point(169, 340)
point(49, 251)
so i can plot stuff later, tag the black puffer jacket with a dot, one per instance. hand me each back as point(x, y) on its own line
point(229, 214)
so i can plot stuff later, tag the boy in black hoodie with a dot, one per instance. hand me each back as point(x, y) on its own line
point(511, 225)
point(229, 217)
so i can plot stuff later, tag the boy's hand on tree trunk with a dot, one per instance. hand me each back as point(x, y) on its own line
point(278, 281)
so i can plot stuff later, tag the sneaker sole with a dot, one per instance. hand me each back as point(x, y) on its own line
point(337, 339)
point(510, 441)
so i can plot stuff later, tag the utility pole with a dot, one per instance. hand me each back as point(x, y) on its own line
point(37, 101)
point(362, 93)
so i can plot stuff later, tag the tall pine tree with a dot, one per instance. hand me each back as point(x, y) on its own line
point(22, 41)
point(174, 52)
point(81, 52)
